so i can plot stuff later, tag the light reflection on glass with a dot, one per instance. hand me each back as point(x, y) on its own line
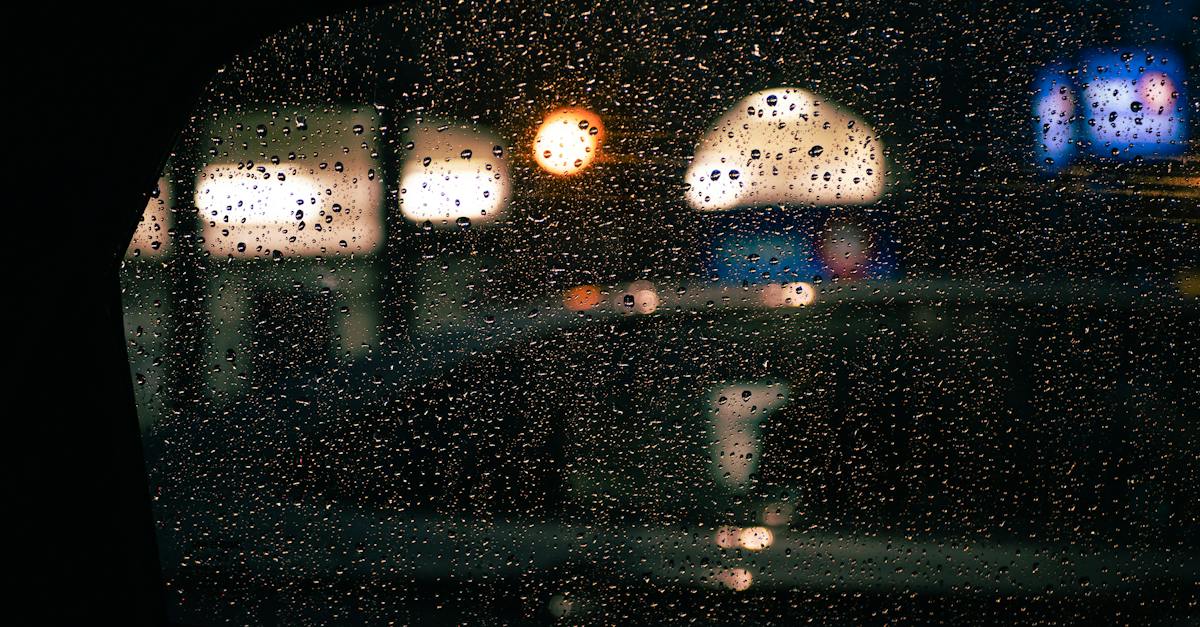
point(736, 411)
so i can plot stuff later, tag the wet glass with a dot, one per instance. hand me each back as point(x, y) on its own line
point(687, 313)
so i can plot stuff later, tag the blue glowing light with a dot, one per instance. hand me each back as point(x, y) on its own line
point(812, 247)
point(1054, 105)
point(1117, 105)
point(1135, 105)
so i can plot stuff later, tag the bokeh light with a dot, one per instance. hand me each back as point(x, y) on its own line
point(639, 297)
point(736, 579)
point(1136, 106)
point(453, 175)
point(755, 538)
point(1055, 108)
point(568, 140)
point(150, 239)
point(786, 145)
point(581, 297)
point(293, 201)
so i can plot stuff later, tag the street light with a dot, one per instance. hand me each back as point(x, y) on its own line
point(568, 140)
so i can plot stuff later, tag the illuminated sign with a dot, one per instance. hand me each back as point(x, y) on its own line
point(453, 175)
point(1055, 107)
point(304, 184)
point(1134, 104)
point(788, 146)
point(1117, 105)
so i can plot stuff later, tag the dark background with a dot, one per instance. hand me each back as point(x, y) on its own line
point(84, 530)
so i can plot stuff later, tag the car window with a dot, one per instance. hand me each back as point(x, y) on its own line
point(693, 313)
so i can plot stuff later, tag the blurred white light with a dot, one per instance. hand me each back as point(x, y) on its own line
point(453, 174)
point(324, 204)
point(638, 297)
point(755, 538)
point(251, 198)
point(786, 145)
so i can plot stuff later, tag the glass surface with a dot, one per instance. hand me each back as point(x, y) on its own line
point(681, 314)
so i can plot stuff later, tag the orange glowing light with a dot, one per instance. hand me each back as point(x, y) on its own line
point(581, 298)
point(567, 141)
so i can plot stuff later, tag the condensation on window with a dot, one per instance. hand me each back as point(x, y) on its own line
point(681, 314)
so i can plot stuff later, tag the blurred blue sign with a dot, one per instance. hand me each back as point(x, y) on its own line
point(746, 249)
point(1055, 107)
point(1134, 104)
point(1116, 105)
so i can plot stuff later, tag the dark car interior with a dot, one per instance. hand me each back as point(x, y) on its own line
point(643, 383)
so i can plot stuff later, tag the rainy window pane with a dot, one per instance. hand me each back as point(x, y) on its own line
point(681, 314)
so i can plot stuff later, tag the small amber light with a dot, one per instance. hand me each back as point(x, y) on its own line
point(581, 298)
